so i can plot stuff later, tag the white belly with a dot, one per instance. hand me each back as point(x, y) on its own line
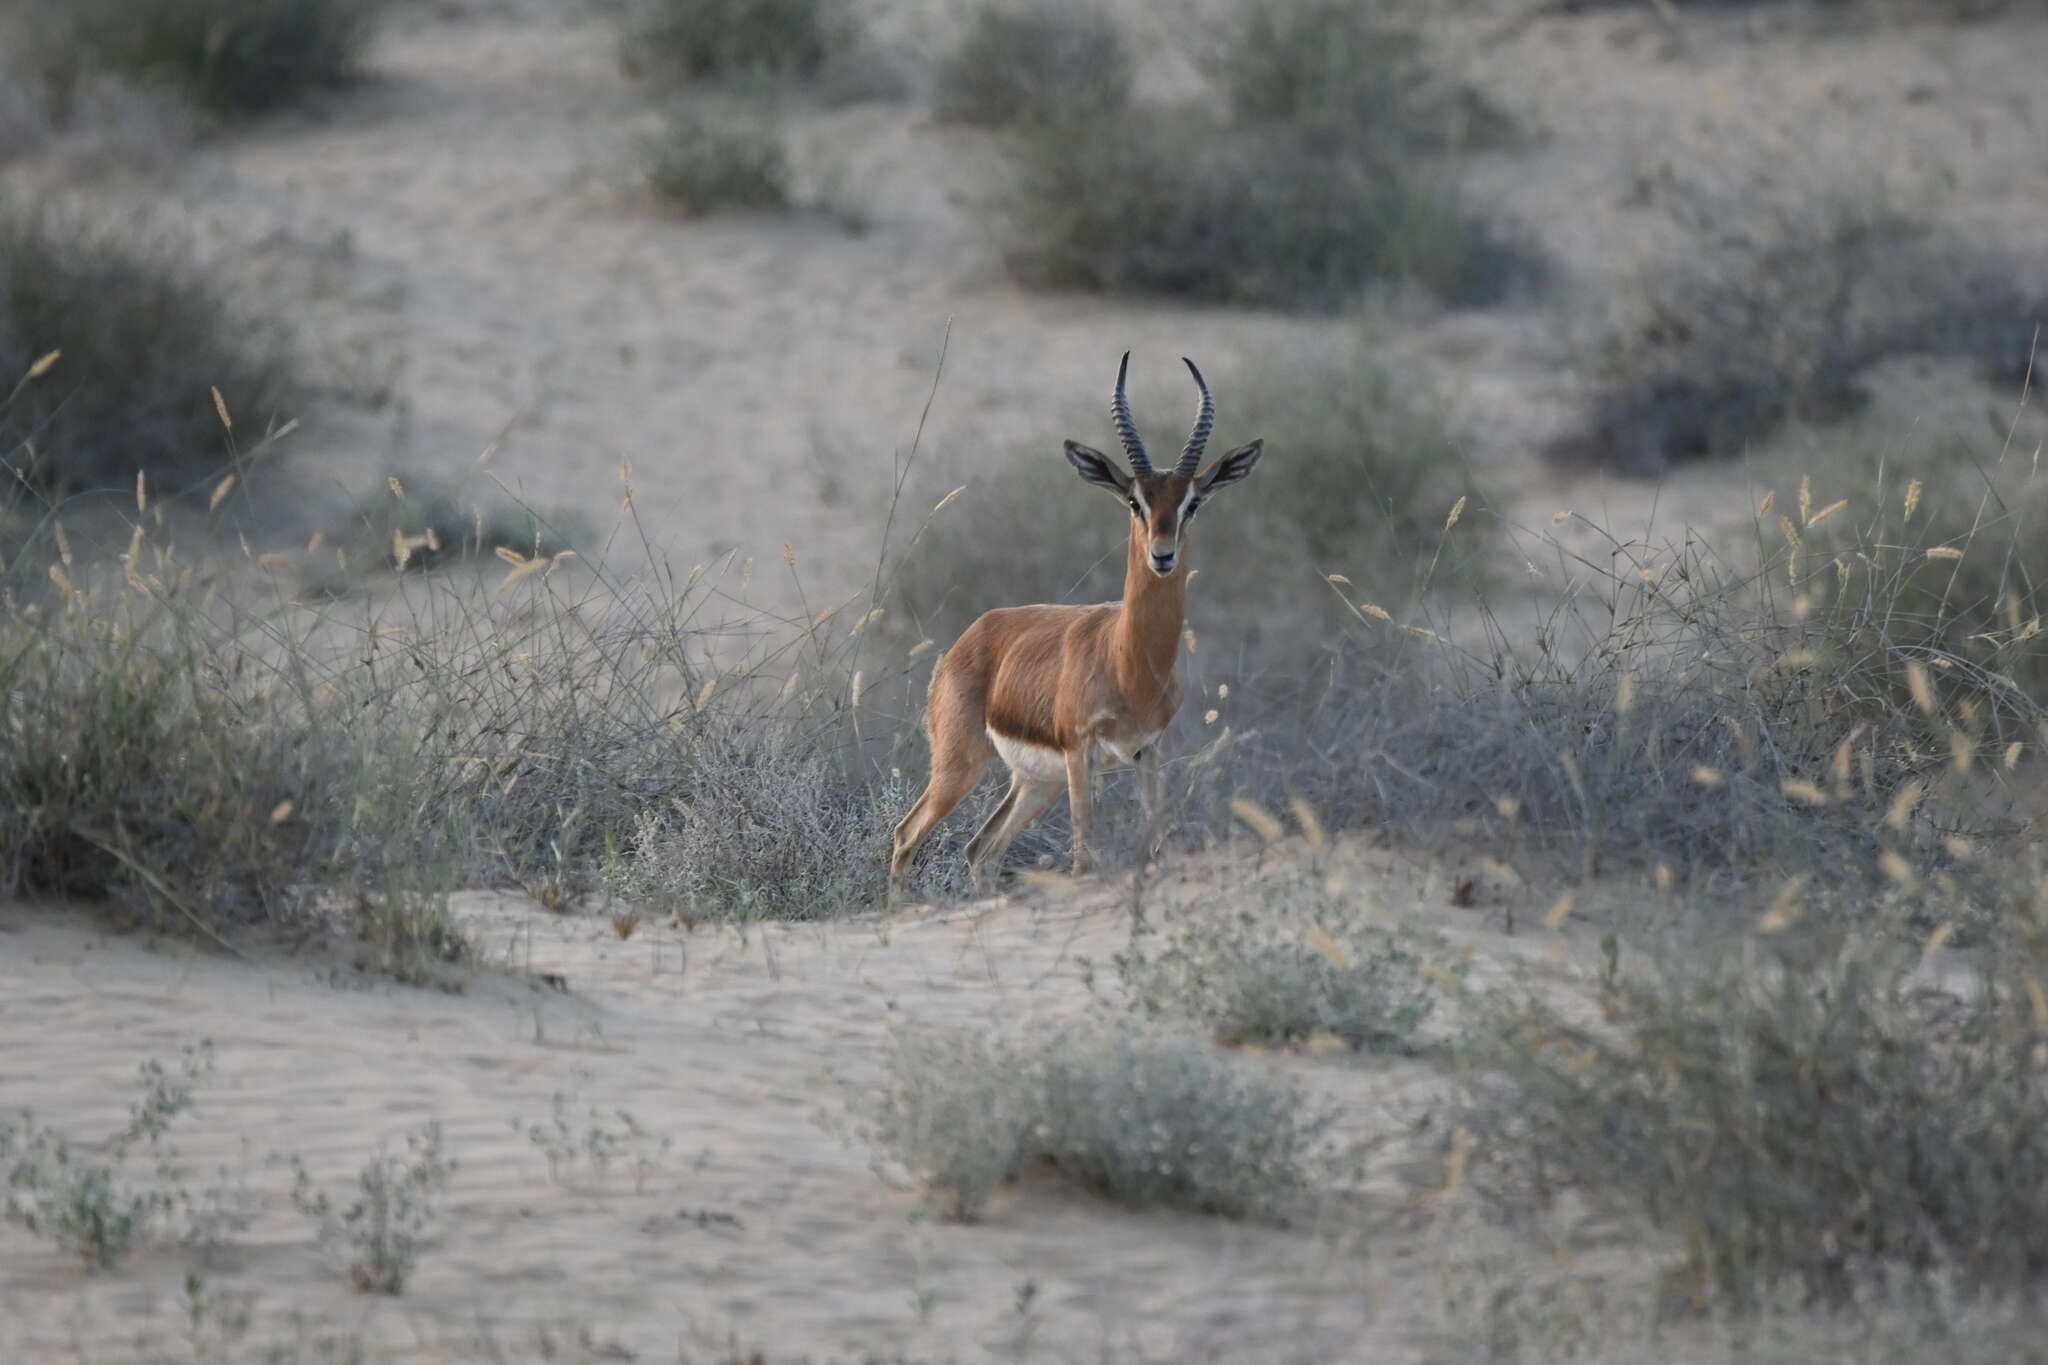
point(1040, 763)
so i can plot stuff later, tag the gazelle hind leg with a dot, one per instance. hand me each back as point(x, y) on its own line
point(1026, 801)
point(948, 787)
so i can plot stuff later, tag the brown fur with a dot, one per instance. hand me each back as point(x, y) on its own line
point(1060, 677)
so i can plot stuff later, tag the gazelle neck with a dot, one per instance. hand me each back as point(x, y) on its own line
point(1149, 625)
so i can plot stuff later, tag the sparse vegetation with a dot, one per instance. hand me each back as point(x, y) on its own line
point(708, 159)
point(699, 39)
point(1173, 202)
point(1022, 64)
point(1298, 964)
point(233, 57)
point(128, 345)
point(1782, 322)
point(1795, 1106)
point(1311, 188)
point(82, 1198)
point(377, 1238)
point(1371, 472)
point(1141, 1118)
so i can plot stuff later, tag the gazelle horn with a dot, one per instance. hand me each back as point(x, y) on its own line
point(1126, 430)
point(1205, 418)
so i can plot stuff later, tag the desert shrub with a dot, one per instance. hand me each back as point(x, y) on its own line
point(1351, 66)
point(230, 56)
point(170, 753)
point(763, 825)
point(377, 1237)
point(1023, 64)
point(696, 39)
point(1172, 202)
point(708, 159)
point(139, 338)
point(1143, 1119)
point(1793, 1106)
point(1781, 321)
point(1303, 963)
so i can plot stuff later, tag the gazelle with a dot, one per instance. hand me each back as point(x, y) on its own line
point(1052, 690)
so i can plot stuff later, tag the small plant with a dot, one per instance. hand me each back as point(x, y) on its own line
point(712, 159)
point(377, 1237)
point(597, 1144)
point(697, 39)
point(1144, 1119)
point(1305, 965)
point(1035, 63)
point(233, 57)
point(82, 1202)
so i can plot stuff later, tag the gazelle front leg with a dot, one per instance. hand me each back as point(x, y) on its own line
point(1152, 798)
point(1079, 798)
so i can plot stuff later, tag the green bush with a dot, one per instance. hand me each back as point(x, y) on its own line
point(229, 56)
point(1782, 321)
point(1344, 65)
point(706, 160)
point(696, 39)
point(1036, 63)
point(1172, 202)
point(140, 338)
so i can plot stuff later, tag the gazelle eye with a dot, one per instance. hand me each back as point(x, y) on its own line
point(1134, 506)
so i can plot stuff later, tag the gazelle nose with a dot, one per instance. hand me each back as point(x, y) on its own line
point(1162, 564)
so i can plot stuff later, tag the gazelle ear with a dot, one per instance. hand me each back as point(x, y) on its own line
point(1228, 469)
point(1095, 467)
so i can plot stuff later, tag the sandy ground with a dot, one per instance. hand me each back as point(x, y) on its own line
point(471, 261)
point(747, 1215)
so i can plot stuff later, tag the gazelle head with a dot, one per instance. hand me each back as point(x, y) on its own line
point(1162, 504)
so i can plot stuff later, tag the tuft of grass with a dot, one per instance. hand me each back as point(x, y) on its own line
point(1023, 64)
point(706, 160)
point(1800, 1106)
point(233, 57)
point(1780, 322)
point(1301, 965)
point(126, 345)
point(1144, 1119)
point(686, 40)
point(416, 522)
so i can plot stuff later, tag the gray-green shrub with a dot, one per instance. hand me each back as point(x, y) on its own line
point(1023, 63)
point(141, 337)
point(1142, 1118)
